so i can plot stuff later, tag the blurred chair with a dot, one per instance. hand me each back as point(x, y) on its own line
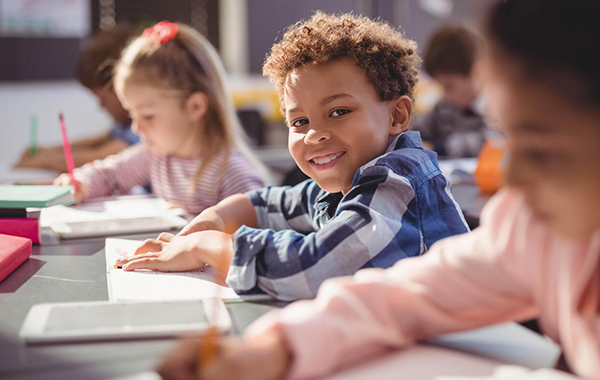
point(254, 125)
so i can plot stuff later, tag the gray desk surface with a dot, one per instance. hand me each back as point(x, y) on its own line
point(70, 272)
point(75, 271)
point(470, 199)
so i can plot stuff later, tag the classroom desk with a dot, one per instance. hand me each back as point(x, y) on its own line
point(70, 272)
point(471, 200)
point(75, 271)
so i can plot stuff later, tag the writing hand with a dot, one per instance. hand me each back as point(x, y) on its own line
point(266, 359)
point(65, 180)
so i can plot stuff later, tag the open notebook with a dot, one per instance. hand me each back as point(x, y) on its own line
point(158, 286)
point(112, 216)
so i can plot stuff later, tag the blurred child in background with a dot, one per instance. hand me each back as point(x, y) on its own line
point(456, 126)
point(193, 152)
point(536, 253)
point(94, 70)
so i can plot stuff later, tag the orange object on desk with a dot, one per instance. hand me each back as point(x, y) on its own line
point(491, 165)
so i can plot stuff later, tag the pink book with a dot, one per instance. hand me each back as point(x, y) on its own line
point(13, 252)
point(23, 227)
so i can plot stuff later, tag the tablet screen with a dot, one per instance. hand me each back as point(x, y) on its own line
point(123, 316)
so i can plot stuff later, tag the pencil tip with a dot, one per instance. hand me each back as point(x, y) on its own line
point(60, 116)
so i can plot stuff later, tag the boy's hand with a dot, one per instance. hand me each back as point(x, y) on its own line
point(65, 180)
point(154, 245)
point(182, 253)
point(207, 220)
point(267, 359)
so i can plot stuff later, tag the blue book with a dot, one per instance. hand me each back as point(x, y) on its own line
point(23, 196)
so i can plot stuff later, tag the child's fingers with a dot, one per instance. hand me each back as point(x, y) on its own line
point(127, 259)
point(172, 205)
point(122, 261)
point(149, 245)
point(180, 363)
point(165, 236)
point(236, 360)
point(62, 180)
point(81, 194)
point(150, 263)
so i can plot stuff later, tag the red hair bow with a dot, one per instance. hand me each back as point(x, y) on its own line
point(161, 32)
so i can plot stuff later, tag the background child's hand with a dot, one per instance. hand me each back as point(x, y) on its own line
point(65, 180)
point(173, 205)
point(182, 253)
point(267, 359)
point(45, 158)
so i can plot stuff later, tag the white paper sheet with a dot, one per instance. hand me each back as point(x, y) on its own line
point(423, 362)
point(418, 363)
point(155, 286)
point(507, 342)
point(109, 208)
point(112, 216)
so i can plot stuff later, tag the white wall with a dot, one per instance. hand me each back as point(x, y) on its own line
point(83, 115)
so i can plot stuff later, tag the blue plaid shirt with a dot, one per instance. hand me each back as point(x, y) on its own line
point(398, 206)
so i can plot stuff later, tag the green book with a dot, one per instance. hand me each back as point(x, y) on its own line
point(22, 196)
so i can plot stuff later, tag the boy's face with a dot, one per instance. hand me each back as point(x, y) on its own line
point(459, 90)
point(554, 157)
point(336, 122)
point(110, 102)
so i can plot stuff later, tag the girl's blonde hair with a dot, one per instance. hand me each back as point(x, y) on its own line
point(185, 64)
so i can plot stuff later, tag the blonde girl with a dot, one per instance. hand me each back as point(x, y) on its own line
point(193, 151)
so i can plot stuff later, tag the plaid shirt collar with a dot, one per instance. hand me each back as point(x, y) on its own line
point(326, 204)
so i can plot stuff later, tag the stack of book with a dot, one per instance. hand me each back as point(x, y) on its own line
point(20, 207)
point(13, 252)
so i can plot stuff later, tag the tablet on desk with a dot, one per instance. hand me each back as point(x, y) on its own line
point(94, 321)
point(95, 228)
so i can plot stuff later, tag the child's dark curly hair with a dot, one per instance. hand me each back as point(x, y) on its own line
point(389, 59)
point(554, 42)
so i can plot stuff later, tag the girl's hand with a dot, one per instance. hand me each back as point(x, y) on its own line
point(182, 253)
point(173, 205)
point(267, 359)
point(65, 180)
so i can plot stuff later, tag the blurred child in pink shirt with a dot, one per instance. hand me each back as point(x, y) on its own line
point(536, 253)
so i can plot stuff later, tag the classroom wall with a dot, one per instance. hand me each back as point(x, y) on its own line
point(267, 19)
point(83, 115)
point(264, 22)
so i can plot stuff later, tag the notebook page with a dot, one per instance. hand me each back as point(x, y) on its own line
point(143, 285)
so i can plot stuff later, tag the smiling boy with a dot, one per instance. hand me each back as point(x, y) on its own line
point(374, 197)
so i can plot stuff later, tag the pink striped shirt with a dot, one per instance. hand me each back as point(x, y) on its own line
point(513, 267)
point(170, 176)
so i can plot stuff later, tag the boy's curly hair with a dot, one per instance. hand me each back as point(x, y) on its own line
point(389, 59)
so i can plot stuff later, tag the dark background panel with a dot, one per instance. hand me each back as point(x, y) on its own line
point(39, 58)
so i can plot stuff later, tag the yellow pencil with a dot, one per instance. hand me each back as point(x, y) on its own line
point(209, 347)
